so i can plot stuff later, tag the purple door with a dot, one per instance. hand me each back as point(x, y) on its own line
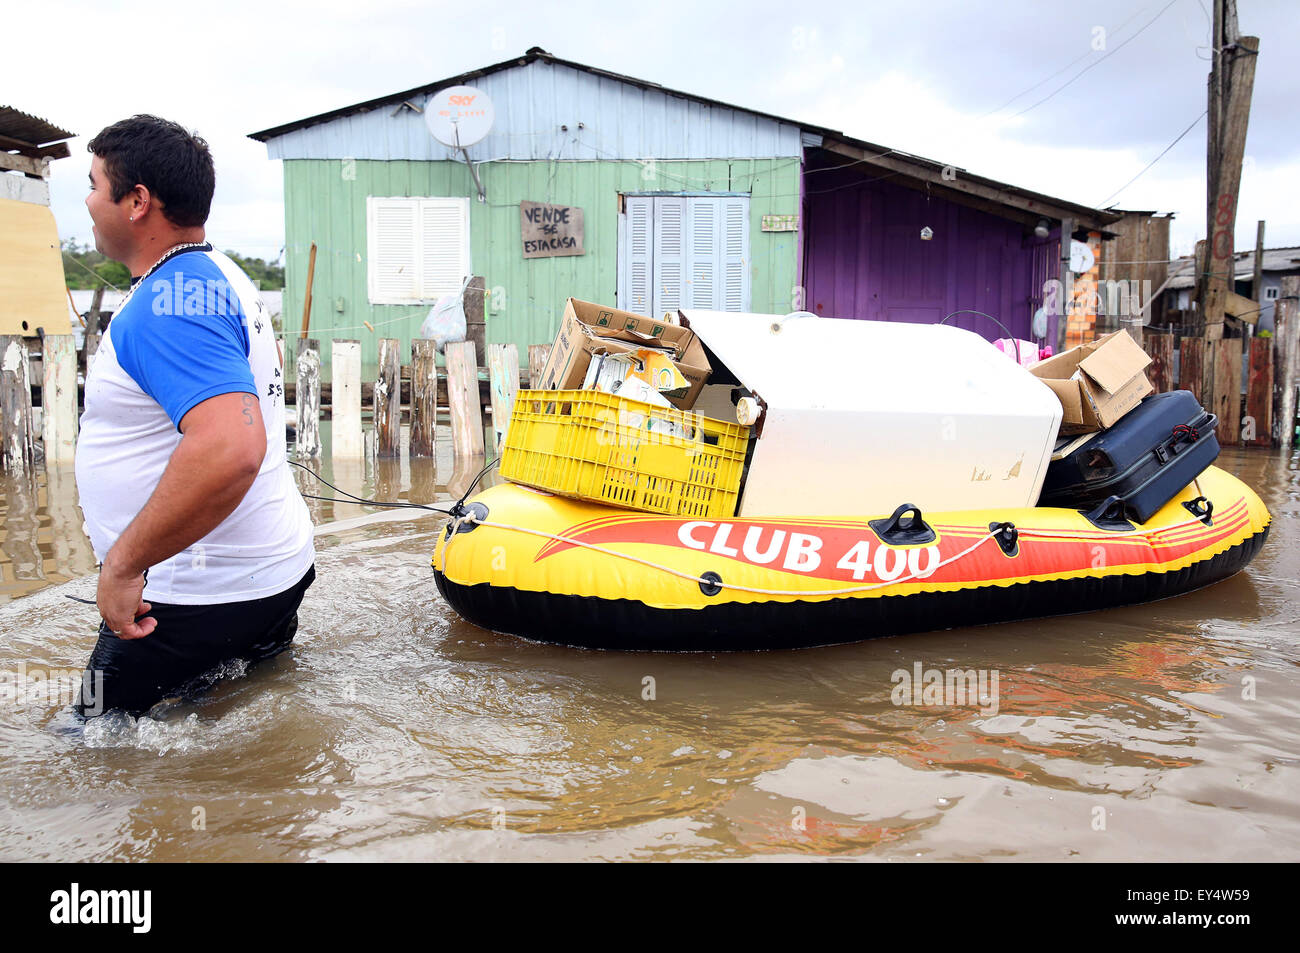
point(866, 257)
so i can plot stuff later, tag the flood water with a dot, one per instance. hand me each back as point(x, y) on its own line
point(395, 731)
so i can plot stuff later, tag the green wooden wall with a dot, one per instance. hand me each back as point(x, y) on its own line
point(325, 202)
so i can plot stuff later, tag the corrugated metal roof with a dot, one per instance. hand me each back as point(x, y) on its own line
point(547, 110)
point(926, 169)
point(1275, 259)
point(533, 54)
point(25, 127)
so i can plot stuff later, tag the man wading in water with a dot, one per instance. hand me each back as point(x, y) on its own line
point(205, 542)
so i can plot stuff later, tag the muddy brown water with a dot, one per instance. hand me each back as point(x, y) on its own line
point(396, 731)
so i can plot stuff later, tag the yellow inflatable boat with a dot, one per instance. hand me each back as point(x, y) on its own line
point(525, 562)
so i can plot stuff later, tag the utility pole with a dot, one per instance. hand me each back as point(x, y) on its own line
point(1232, 79)
point(1257, 280)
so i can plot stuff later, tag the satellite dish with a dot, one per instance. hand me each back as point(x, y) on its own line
point(459, 116)
point(1081, 258)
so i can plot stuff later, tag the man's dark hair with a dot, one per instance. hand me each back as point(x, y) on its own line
point(174, 165)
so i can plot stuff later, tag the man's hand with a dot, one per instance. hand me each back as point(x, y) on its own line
point(119, 600)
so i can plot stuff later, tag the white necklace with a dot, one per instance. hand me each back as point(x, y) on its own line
point(156, 265)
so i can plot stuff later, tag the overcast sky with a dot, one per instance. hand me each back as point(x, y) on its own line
point(931, 77)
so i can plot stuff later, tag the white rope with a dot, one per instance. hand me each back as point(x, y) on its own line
point(1042, 534)
point(709, 582)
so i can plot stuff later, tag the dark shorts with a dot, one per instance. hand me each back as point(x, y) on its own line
point(188, 644)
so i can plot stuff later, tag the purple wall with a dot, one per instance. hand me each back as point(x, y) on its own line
point(864, 256)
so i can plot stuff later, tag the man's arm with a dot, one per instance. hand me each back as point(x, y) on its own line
point(222, 446)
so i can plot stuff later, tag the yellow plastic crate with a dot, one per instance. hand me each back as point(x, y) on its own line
point(597, 446)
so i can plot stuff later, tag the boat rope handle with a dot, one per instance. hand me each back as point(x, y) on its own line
point(458, 522)
point(699, 580)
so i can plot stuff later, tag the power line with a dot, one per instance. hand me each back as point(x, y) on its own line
point(94, 274)
point(1098, 62)
point(1045, 79)
point(1155, 160)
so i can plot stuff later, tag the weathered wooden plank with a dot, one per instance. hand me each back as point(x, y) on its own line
point(1257, 426)
point(345, 409)
point(463, 399)
point(503, 377)
point(1286, 361)
point(14, 163)
point(475, 303)
point(1226, 401)
point(17, 442)
point(307, 398)
point(424, 397)
point(1191, 367)
point(388, 398)
point(1161, 371)
point(537, 357)
point(1239, 306)
point(59, 397)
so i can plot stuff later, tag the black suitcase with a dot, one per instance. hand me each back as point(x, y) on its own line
point(1151, 453)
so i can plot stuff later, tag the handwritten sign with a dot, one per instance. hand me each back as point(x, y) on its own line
point(780, 223)
point(550, 231)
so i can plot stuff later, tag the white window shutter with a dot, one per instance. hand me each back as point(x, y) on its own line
point(669, 254)
point(418, 248)
point(640, 235)
point(735, 255)
point(702, 253)
point(392, 239)
point(444, 250)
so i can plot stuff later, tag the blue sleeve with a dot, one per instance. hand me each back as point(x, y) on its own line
point(182, 359)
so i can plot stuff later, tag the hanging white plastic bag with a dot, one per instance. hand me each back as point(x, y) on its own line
point(446, 321)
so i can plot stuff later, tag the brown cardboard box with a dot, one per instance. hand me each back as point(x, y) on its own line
point(588, 329)
point(1097, 383)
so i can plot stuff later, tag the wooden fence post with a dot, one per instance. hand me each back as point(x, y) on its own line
point(1286, 336)
point(424, 397)
point(17, 445)
point(1191, 367)
point(345, 398)
point(1257, 428)
point(503, 381)
point(1161, 349)
point(59, 397)
point(307, 398)
point(388, 399)
point(90, 339)
point(463, 399)
point(1226, 399)
point(538, 354)
point(474, 302)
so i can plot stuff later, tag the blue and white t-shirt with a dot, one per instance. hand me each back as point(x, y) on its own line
point(192, 329)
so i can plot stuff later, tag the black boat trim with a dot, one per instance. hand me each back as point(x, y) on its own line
point(628, 624)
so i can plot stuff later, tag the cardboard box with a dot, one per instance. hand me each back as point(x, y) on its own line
point(1097, 383)
point(588, 329)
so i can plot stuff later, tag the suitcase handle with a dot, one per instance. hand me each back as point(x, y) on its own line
point(1183, 433)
